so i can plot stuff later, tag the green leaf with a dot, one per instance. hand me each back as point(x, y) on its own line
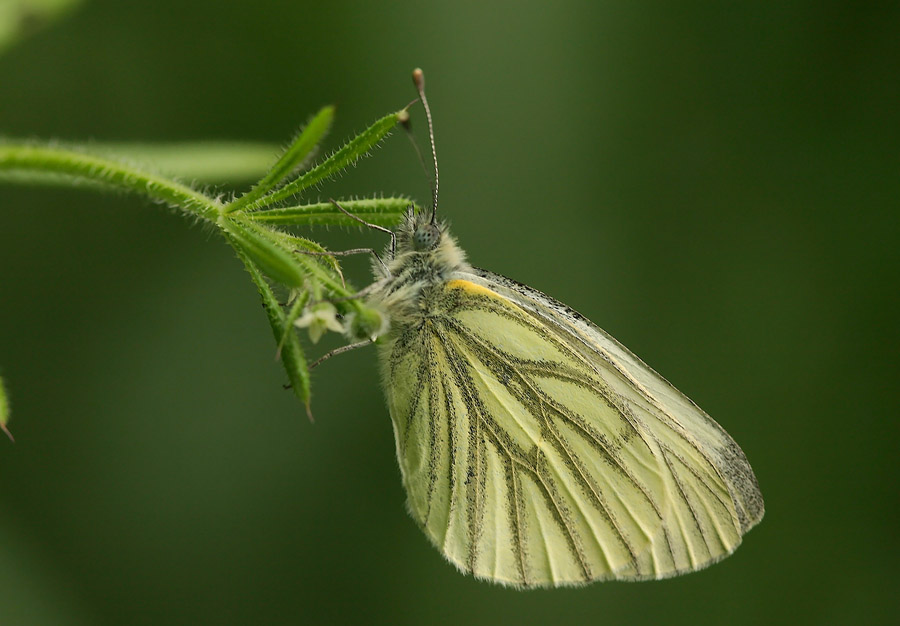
point(292, 357)
point(380, 211)
point(274, 253)
point(4, 410)
point(354, 149)
point(271, 257)
point(288, 323)
point(293, 157)
point(322, 256)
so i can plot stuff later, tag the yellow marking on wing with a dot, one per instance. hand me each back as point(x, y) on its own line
point(472, 288)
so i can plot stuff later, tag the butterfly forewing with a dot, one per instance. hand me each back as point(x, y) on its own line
point(631, 378)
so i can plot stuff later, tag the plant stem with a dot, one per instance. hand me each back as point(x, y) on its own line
point(32, 163)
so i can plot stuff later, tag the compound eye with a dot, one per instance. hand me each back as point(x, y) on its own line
point(426, 237)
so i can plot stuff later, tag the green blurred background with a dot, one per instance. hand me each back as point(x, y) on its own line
point(716, 184)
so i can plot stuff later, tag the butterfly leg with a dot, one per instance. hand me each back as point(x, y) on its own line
point(359, 295)
point(348, 253)
point(369, 225)
point(341, 350)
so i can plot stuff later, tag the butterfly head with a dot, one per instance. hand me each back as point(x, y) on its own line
point(421, 242)
point(426, 237)
point(419, 234)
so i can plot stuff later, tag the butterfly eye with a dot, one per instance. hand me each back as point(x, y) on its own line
point(426, 237)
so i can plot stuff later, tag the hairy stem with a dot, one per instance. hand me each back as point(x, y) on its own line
point(32, 163)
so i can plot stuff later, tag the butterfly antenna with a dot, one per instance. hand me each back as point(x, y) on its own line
point(405, 122)
point(419, 82)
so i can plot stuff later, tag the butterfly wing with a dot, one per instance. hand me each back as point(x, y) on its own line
point(533, 453)
point(726, 456)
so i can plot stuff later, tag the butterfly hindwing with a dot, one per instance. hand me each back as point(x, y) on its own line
point(531, 461)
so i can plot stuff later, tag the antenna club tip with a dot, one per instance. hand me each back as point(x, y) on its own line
point(418, 77)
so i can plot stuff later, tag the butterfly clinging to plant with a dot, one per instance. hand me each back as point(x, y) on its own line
point(535, 449)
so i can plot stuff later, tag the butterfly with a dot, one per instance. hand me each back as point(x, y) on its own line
point(535, 449)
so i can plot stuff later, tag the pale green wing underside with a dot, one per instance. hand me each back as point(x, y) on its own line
point(534, 454)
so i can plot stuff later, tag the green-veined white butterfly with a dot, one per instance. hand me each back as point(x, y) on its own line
point(535, 449)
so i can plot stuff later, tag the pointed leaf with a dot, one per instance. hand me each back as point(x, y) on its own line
point(272, 259)
point(380, 211)
point(274, 252)
point(292, 357)
point(292, 315)
point(293, 156)
point(322, 255)
point(357, 147)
